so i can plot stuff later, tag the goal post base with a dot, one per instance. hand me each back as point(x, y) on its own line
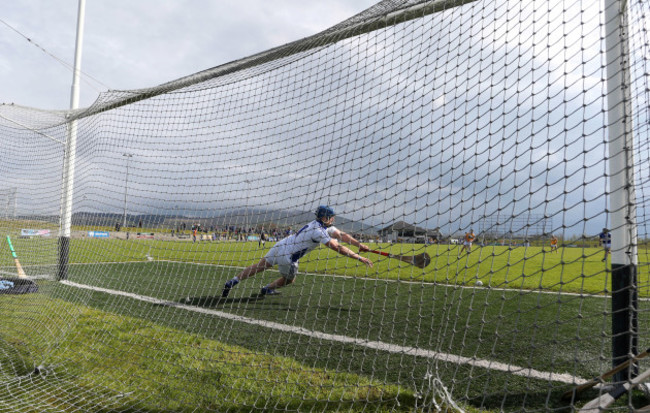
point(64, 254)
point(624, 318)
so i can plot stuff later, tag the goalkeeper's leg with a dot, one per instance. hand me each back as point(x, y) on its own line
point(288, 272)
point(247, 272)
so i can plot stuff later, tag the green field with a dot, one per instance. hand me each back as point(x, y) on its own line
point(574, 270)
point(522, 319)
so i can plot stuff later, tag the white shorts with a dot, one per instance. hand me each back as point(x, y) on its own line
point(287, 269)
point(467, 244)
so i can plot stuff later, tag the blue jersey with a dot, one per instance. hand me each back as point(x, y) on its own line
point(606, 239)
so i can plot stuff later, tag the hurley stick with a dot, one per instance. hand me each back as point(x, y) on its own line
point(420, 260)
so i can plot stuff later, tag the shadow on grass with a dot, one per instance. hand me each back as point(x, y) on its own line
point(264, 303)
point(216, 301)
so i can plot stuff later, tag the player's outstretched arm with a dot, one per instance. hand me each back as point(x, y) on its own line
point(349, 239)
point(334, 245)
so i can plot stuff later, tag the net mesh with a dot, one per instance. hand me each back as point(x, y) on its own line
point(419, 123)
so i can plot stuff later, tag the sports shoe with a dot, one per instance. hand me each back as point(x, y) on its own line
point(268, 291)
point(228, 286)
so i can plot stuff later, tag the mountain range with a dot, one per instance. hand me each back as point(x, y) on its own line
point(236, 217)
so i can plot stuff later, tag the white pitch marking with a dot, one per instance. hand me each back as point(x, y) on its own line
point(377, 345)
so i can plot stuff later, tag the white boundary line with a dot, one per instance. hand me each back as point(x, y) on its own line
point(376, 345)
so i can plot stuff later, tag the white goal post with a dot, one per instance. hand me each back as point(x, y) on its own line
point(622, 187)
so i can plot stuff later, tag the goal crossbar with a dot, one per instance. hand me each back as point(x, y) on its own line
point(336, 34)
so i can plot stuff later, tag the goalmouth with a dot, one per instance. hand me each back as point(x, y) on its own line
point(518, 120)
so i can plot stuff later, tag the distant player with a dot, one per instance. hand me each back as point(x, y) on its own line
point(553, 243)
point(262, 241)
point(468, 241)
point(287, 252)
point(606, 242)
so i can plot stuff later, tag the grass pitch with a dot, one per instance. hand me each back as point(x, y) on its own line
point(570, 270)
point(521, 317)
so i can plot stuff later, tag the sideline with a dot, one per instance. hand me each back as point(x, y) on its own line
point(375, 345)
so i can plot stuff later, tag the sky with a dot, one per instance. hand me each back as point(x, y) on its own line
point(137, 44)
point(440, 122)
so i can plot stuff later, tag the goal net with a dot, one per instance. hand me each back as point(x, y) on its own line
point(417, 122)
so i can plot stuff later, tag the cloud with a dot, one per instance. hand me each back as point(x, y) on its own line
point(133, 45)
point(439, 126)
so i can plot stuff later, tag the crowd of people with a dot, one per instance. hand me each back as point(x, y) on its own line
point(199, 232)
point(260, 234)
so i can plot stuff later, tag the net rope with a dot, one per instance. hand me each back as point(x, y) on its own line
point(419, 122)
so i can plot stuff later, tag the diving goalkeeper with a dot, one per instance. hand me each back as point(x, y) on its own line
point(287, 252)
